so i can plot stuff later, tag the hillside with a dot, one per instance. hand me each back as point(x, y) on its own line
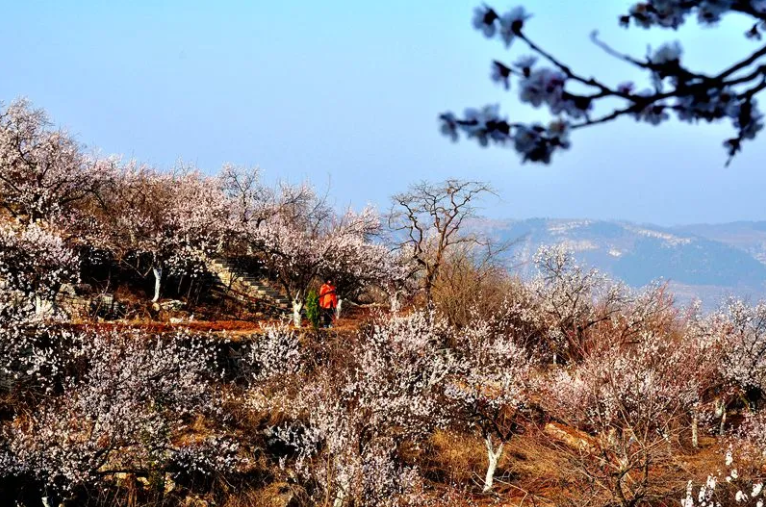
point(162, 345)
point(710, 262)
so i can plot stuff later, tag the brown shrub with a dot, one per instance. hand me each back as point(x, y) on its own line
point(472, 282)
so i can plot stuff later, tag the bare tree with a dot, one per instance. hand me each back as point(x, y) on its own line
point(428, 217)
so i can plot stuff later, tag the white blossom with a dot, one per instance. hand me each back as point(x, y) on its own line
point(449, 126)
point(501, 74)
point(484, 20)
point(525, 62)
point(511, 23)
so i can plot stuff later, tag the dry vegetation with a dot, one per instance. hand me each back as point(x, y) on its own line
point(385, 409)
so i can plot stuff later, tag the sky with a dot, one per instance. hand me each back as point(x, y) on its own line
point(347, 95)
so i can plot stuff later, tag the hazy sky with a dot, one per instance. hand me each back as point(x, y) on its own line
point(349, 92)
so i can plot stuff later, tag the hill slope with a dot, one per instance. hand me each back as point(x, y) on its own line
point(710, 262)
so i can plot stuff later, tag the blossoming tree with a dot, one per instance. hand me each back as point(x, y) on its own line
point(572, 301)
point(43, 171)
point(491, 388)
point(154, 221)
point(121, 401)
point(35, 262)
point(579, 101)
point(357, 420)
point(631, 401)
point(298, 248)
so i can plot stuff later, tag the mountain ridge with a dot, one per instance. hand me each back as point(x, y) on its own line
point(706, 261)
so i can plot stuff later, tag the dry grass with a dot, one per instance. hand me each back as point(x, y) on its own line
point(540, 468)
point(277, 494)
point(457, 458)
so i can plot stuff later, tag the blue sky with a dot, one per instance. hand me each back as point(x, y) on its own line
point(347, 94)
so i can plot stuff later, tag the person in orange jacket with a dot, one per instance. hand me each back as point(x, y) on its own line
point(328, 302)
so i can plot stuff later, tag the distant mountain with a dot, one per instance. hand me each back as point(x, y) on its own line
point(710, 262)
point(747, 236)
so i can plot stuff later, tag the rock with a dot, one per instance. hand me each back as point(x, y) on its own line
point(105, 306)
point(194, 501)
point(171, 305)
point(123, 478)
point(572, 438)
point(67, 290)
point(170, 484)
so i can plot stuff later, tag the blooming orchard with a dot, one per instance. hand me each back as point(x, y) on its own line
point(57, 204)
point(349, 419)
point(605, 395)
point(359, 418)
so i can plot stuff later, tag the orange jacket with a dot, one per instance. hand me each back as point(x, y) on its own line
point(327, 296)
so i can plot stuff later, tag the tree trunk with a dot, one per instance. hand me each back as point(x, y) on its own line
point(428, 285)
point(494, 458)
point(720, 409)
point(695, 428)
point(337, 309)
point(429, 295)
point(43, 307)
point(297, 307)
point(394, 301)
point(666, 436)
point(157, 270)
point(340, 496)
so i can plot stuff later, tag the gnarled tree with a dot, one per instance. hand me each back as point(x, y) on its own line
point(427, 220)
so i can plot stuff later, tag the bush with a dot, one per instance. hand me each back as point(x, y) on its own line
point(312, 308)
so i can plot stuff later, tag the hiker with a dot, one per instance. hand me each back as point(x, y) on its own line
point(328, 301)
